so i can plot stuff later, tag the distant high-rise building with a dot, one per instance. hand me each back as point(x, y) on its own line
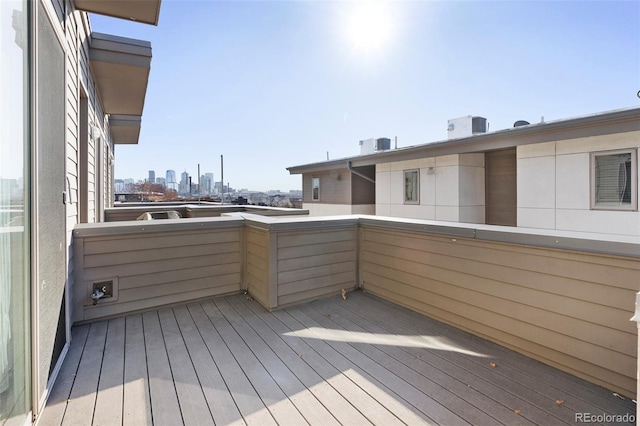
point(184, 183)
point(206, 182)
point(160, 181)
point(170, 180)
point(128, 185)
point(152, 176)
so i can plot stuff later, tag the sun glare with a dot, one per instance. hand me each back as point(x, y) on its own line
point(369, 26)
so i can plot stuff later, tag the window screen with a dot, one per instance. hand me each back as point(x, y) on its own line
point(614, 180)
point(411, 190)
point(315, 188)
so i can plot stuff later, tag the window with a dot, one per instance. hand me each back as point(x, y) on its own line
point(315, 189)
point(411, 186)
point(613, 180)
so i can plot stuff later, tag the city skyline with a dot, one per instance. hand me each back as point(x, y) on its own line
point(271, 85)
point(207, 181)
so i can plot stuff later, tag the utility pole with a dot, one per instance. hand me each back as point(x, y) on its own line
point(222, 176)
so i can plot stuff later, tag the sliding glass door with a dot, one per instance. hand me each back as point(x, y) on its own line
point(15, 235)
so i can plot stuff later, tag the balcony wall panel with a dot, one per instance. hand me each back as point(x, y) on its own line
point(153, 268)
point(565, 308)
point(258, 265)
point(562, 299)
point(313, 264)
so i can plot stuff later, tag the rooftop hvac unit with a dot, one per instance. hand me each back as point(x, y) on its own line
point(478, 125)
point(370, 146)
point(466, 126)
point(383, 144)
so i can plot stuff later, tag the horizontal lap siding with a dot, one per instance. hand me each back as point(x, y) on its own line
point(258, 265)
point(119, 214)
point(567, 309)
point(313, 264)
point(157, 269)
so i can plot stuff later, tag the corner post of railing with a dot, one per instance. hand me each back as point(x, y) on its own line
point(636, 318)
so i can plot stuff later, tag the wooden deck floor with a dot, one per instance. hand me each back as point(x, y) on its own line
point(354, 362)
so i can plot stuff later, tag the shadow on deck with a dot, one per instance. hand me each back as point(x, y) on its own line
point(359, 361)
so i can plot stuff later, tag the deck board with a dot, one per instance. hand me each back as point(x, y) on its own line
point(57, 403)
point(441, 395)
point(108, 409)
point(193, 404)
point(304, 401)
point(531, 404)
point(367, 396)
point(215, 390)
point(136, 401)
point(82, 399)
point(380, 383)
point(269, 329)
point(422, 370)
point(247, 400)
point(165, 408)
point(512, 364)
point(280, 407)
point(360, 361)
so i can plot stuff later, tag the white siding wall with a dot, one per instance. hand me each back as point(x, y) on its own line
point(554, 186)
point(451, 188)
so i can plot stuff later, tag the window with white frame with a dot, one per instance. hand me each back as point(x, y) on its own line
point(315, 188)
point(614, 180)
point(411, 186)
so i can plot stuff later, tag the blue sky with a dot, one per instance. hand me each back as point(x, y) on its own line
point(273, 84)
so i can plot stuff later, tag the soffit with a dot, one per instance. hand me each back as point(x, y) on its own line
point(145, 11)
point(125, 129)
point(121, 69)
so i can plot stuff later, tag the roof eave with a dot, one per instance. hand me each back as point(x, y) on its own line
point(145, 11)
point(524, 135)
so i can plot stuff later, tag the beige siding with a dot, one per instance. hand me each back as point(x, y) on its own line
point(564, 307)
point(335, 187)
point(567, 309)
point(72, 128)
point(258, 265)
point(314, 263)
point(155, 269)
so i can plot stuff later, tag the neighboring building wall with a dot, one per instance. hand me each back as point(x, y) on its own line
point(451, 188)
point(554, 186)
point(321, 209)
point(335, 187)
point(341, 192)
